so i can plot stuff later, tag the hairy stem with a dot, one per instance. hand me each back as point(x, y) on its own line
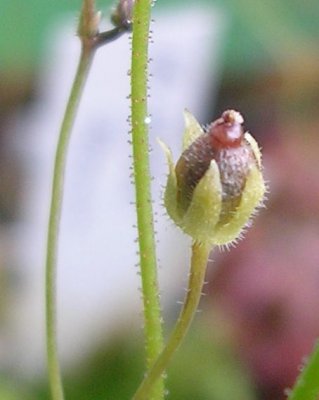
point(54, 221)
point(200, 254)
point(139, 113)
point(307, 384)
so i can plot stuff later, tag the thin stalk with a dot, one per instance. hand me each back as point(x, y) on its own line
point(54, 221)
point(109, 36)
point(139, 75)
point(200, 253)
point(307, 384)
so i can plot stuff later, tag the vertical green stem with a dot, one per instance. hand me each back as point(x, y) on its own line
point(54, 221)
point(200, 253)
point(307, 384)
point(139, 76)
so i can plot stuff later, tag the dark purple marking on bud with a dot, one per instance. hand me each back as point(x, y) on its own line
point(223, 142)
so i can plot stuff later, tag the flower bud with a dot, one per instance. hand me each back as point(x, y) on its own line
point(123, 13)
point(217, 183)
point(89, 20)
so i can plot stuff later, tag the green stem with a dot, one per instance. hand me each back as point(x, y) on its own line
point(307, 384)
point(54, 221)
point(145, 225)
point(200, 253)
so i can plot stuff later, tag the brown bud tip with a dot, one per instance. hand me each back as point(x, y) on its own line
point(227, 131)
point(123, 14)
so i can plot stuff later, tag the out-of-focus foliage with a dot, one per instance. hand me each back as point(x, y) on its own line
point(204, 369)
point(260, 33)
point(10, 391)
point(207, 369)
point(23, 29)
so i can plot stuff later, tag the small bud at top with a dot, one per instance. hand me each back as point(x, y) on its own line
point(123, 14)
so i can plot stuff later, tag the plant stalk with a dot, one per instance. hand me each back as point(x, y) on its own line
point(87, 53)
point(145, 225)
point(200, 253)
point(307, 384)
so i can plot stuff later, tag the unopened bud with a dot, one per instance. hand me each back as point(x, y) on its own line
point(89, 20)
point(217, 183)
point(123, 14)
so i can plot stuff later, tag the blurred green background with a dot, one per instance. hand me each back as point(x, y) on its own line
point(263, 39)
point(259, 30)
